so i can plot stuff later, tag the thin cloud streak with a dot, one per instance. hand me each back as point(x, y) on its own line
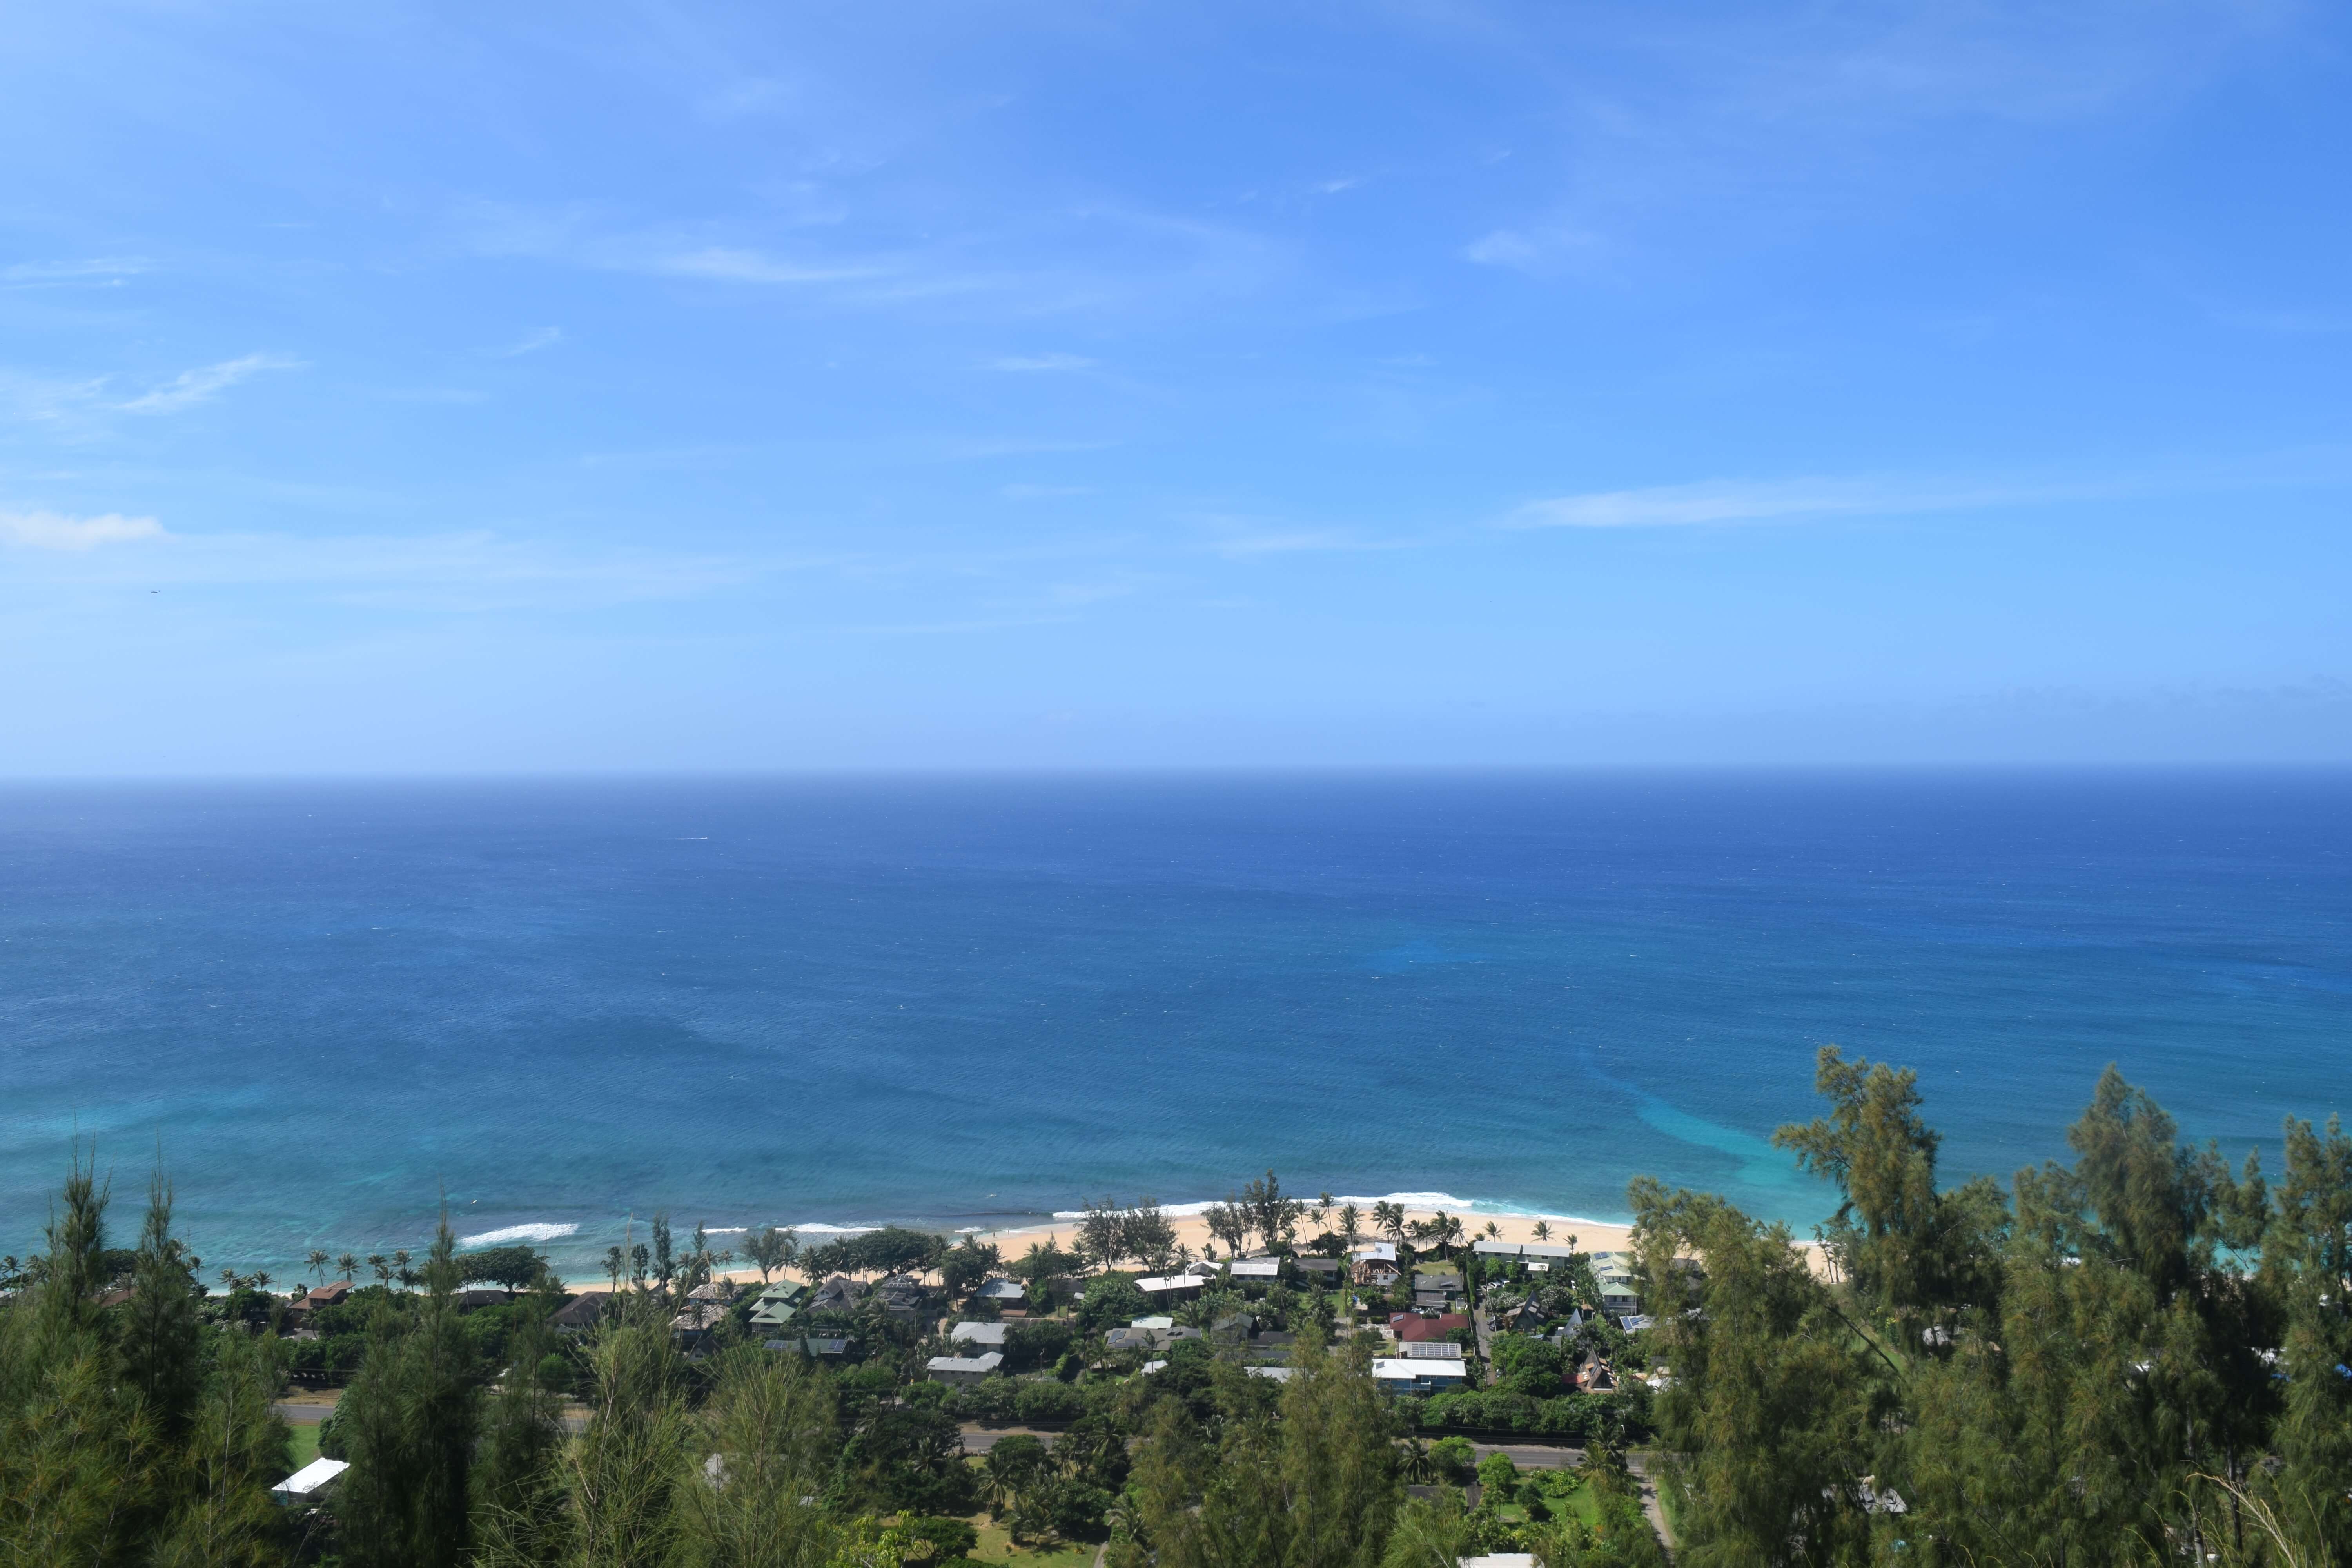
point(204, 382)
point(1715, 502)
point(53, 531)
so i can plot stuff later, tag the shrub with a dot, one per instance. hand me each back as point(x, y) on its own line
point(1048, 1402)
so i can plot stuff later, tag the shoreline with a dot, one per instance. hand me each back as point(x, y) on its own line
point(1192, 1233)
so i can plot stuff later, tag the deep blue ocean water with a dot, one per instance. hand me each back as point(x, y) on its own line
point(958, 1000)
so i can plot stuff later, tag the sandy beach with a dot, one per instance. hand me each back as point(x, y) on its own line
point(1192, 1233)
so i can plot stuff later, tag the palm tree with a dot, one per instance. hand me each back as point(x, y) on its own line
point(1493, 1230)
point(228, 1278)
point(347, 1267)
point(1390, 1218)
point(383, 1269)
point(400, 1269)
point(260, 1280)
point(616, 1261)
point(319, 1263)
point(1322, 1206)
point(1351, 1224)
point(1543, 1230)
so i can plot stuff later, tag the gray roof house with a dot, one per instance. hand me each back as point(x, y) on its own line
point(963, 1369)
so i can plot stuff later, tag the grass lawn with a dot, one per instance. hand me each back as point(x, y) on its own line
point(305, 1445)
point(995, 1546)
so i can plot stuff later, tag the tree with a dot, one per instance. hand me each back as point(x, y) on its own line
point(617, 1263)
point(319, 1263)
point(771, 1421)
point(409, 1422)
point(1273, 1217)
point(969, 1263)
point(1543, 1230)
point(665, 1263)
point(408, 1277)
point(1230, 1222)
point(1146, 1235)
point(1351, 1224)
point(770, 1249)
point(2307, 1254)
point(516, 1267)
point(347, 1266)
point(1389, 1217)
point(382, 1267)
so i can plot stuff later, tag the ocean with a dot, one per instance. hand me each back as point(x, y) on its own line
point(968, 1000)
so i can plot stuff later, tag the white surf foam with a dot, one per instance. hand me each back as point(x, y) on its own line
point(539, 1232)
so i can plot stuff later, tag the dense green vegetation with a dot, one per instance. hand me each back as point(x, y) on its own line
point(2142, 1357)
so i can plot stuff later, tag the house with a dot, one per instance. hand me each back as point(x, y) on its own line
point(839, 1294)
point(777, 1306)
point(1635, 1323)
point(1324, 1271)
point(1149, 1333)
point(1429, 1350)
point(814, 1348)
point(1264, 1269)
point(1526, 1318)
point(1412, 1326)
point(1595, 1377)
point(1418, 1375)
point(901, 1296)
point(309, 1484)
point(1436, 1287)
point(1279, 1373)
point(1378, 1272)
point(985, 1336)
point(1270, 1345)
point(1170, 1287)
point(329, 1295)
point(475, 1301)
point(580, 1313)
point(695, 1324)
point(1002, 1289)
point(963, 1370)
point(1373, 1252)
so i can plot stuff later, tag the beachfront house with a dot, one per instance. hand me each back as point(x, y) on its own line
point(1418, 1375)
point(1004, 1291)
point(978, 1336)
point(1263, 1270)
point(963, 1370)
point(1323, 1271)
point(1148, 1334)
point(1429, 1350)
point(1374, 1266)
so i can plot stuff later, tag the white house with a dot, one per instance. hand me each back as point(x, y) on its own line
point(309, 1483)
point(1256, 1267)
point(1417, 1374)
point(963, 1369)
point(986, 1336)
point(1431, 1350)
point(1003, 1290)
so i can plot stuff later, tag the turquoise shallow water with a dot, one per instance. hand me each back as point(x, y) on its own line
point(956, 1001)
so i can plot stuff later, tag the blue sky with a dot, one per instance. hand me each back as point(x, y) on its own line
point(536, 386)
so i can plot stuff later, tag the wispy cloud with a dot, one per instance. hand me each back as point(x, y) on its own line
point(204, 382)
point(1021, 363)
point(1761, 500)
point(54, 530)
point(100, 269)
point(730, 264)
point(530, 343)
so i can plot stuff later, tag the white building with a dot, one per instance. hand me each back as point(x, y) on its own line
point(963, 1369)
point(1418, 1375)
